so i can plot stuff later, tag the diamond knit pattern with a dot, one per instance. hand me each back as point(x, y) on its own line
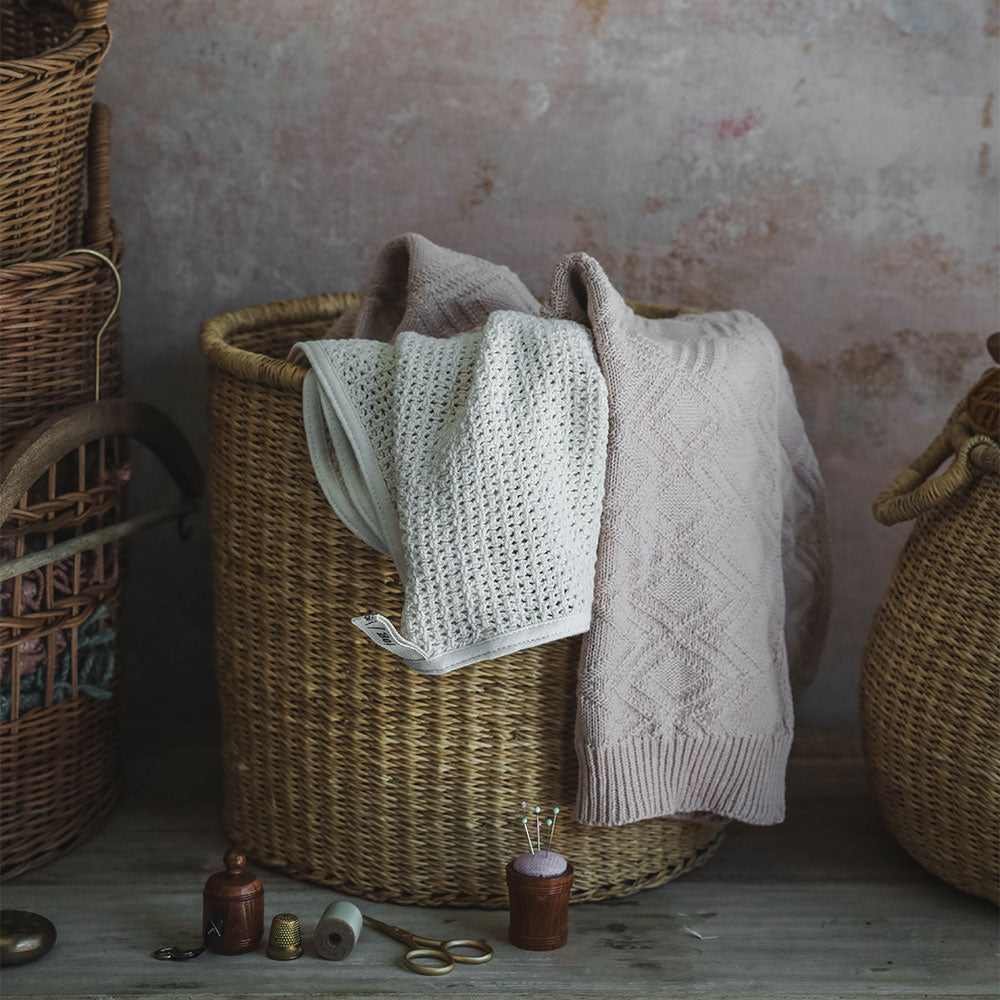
point(713, 507)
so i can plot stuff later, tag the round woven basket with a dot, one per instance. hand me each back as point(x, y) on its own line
point(62, 489)
point(59, 758)
point(51, 51)
point(342, 765)
point(53, 311)
point(931, 669)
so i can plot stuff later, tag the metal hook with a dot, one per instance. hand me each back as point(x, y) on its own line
point(111, 315)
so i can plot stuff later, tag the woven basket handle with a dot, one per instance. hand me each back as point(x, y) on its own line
point(39, 449)
point(94, 14)
point(97, 222)
point(912, 492)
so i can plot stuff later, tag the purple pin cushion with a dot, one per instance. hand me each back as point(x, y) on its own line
point(541, 864)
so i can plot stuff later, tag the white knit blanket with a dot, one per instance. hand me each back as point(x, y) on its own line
point(476, 463)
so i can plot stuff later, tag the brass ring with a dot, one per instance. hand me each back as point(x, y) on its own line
point(428, 970)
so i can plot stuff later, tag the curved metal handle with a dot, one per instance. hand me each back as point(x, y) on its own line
point(45, 444)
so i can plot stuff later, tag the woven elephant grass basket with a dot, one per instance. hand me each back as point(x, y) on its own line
point(342, 765)
point(931, 669)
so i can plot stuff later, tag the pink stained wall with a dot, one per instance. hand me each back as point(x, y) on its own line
point(831, 166)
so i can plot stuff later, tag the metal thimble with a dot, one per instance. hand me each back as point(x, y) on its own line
point(285, 940)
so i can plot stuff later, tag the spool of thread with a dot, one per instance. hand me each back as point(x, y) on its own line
point(338, 930)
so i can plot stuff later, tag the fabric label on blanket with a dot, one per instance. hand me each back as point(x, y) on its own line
point(379, 629)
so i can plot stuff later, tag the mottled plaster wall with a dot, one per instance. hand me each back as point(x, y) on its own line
point(828, 164)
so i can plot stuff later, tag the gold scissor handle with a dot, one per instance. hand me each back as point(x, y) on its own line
point(441, 951)
point(486, 952)
point(448, 961)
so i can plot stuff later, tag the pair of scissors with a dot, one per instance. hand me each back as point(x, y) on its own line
point(441, 951)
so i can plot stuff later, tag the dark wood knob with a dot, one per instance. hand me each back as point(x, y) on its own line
point(235, 861)
point(993, 345)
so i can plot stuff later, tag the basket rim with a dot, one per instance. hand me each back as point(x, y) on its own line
point(252, 367)
point(90, 35)
point(65, 264)
point(287, 375)
point(83, 45)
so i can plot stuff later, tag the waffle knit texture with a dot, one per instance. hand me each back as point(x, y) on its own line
point(476, 462)
point(711, 593)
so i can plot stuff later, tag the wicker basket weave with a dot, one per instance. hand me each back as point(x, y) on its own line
point(52, 311)
point(51, 51)
point(931, 669)
point(341, 765)
point(59, 761)
point(62, 487)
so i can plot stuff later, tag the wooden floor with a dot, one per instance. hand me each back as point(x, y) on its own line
point(825, 905)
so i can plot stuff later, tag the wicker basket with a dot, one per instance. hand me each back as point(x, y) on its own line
point(62, 488)
point(51, 51)
point(53, 311)
point(343, 766)
point(58, 760)
point(931, 669)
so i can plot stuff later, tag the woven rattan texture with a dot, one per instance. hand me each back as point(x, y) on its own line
point(59, 761)
point(343, 766)
point(983, 404)
point(58, 780)
point(51, 51)
point(52, 311)
point(929, 687)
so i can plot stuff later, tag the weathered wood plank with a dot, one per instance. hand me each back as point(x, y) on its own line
point(825, 905)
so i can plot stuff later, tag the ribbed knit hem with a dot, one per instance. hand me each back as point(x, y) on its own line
point(738, 777)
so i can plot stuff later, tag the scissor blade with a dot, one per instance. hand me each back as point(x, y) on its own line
point(392, 930)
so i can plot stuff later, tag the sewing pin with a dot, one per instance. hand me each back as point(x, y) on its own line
point(538, 822)
point(555, 816)
point(524, 820)
point(548, 823)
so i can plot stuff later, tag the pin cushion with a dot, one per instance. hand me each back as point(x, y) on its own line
point(541, 864)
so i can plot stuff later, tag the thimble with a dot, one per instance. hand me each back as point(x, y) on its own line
point(285, 941)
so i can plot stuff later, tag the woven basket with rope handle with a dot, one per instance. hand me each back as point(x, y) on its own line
point(931, 668)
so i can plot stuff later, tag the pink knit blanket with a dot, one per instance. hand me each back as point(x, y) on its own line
point(711, 593)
